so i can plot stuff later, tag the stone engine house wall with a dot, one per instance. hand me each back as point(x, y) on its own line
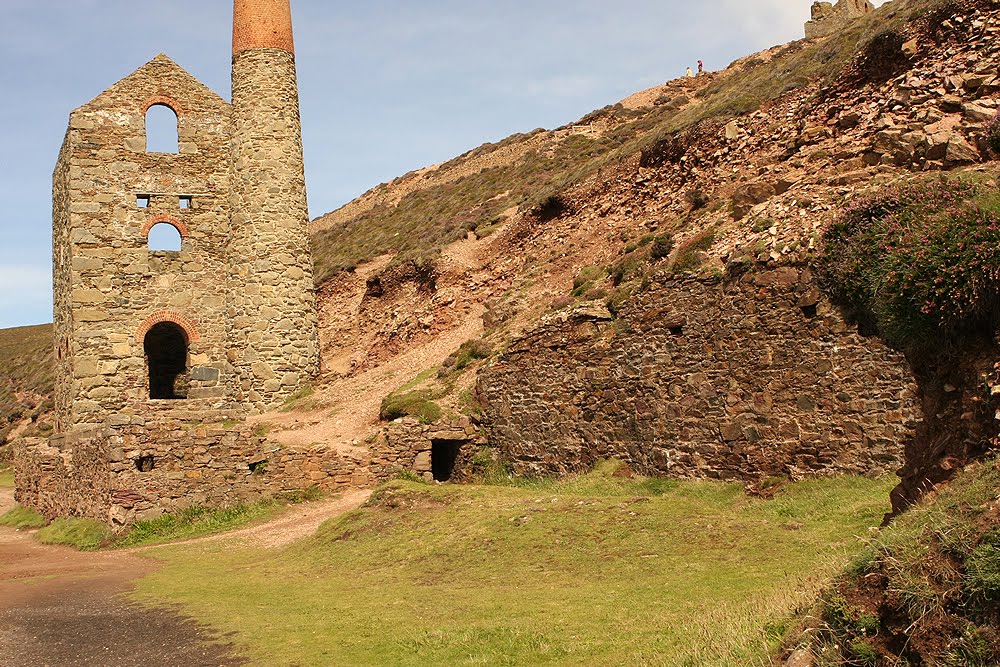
point(151, 343)
point(704, 378)
point(109, 286)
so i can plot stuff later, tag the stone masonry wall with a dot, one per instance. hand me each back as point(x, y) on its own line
point(703, 378)
point(407, 444)
point(62, 327)
point(119, 475)
point(273, 313)
point(110, 287)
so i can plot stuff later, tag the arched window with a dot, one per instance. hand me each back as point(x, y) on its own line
point(161, 129)
point(166, 347)
point(164, 236)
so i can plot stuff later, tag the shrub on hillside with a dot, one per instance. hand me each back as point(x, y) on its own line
point(883, 57)
point(992, 131)
point(410, 404)
point(468, 352)
point(916, 260)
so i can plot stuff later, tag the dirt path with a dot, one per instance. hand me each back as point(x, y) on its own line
point(302, 521)
point(60, 607)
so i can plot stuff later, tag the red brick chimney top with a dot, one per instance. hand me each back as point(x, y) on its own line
point(262, 24)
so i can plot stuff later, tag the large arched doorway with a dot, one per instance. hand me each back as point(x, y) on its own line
point(166, 347)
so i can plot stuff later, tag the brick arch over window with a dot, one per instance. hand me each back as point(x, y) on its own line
point(181, 228)
point(163, 100)
point(189, 326)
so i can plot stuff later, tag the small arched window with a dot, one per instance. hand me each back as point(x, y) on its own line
point(166, 348)
point(164, 237)
point(161, 129)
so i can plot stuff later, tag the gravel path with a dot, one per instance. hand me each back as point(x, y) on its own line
point(61, 607)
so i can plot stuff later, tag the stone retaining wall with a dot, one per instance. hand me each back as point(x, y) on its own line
point(407, 444)
point(704, 378)
point(119, 475)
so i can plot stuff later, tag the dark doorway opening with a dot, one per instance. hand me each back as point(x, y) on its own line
point(166, 349)
point(444, 454)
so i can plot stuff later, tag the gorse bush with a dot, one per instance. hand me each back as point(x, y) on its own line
point(917, 261)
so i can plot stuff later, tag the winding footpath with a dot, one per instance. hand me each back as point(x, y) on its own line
point(61, 607)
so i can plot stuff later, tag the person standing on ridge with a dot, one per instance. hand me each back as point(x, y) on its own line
point(701, 67)
point(689, 73)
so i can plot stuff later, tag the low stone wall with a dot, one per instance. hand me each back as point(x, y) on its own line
point(123, 474)
point(406, 444)
point(704, 378)
point(63, 476)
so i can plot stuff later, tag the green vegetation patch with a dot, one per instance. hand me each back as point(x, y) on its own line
point(928, 583)
point(22, 517)
point(918, 261)
point(198, 521)
point(7, 478)
point(468, 352)
point(597, 570)
point(417, 403)
point(82, 534)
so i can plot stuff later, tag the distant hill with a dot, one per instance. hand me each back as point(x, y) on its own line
point(26, 378)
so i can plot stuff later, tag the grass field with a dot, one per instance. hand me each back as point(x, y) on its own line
point(6, 477)
point(595, 571)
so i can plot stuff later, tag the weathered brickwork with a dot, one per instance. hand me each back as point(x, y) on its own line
point(704, 378)
point(262, 24)
point(119, 475)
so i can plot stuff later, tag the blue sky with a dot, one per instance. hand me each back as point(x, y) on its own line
point(386, 86)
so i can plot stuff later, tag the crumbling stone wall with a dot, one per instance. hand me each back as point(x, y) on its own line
point(704, 378)
point(828, 18)
point(121, 474)
point(408, 445)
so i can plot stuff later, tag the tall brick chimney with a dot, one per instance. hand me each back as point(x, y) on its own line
point(272, 314)
point(262, 24)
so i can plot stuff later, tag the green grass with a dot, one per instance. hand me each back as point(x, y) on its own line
point(22, 517)
point(597, 570)
point(199, 521)
point(938, 566)
point(82, 534)
point(7, 478)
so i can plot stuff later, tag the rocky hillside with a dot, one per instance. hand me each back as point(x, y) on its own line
point(656, 282)
point(25, 382)
point(704, 179)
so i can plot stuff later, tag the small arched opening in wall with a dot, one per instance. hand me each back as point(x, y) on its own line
point(166, 349)
point(166, 338)
point(162, 125)
point(165, 234)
